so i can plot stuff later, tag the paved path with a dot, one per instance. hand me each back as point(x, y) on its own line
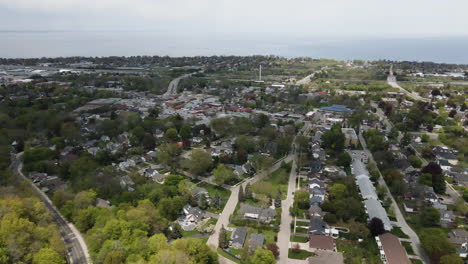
point(286, 218)
point(401, 222)
point(77, 251)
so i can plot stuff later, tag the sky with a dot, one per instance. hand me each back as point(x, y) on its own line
point(276, 18)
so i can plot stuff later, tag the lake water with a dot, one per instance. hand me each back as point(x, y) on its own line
point(67, 43)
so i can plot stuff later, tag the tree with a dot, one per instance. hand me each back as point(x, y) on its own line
point(148, 141)
point(47, 256)
point(451, 259)
point(185, 132)
point(157, 242)
point(344, 159)
point(216, 201)
point(115, 257)
point(200, 161)
point(176, 231)
point(415, 161)
point(168, 154)
point(334, 139)
point(301, 199)
point(262, 256)
point(171, 134)
point(261, 162)
point(438, 181)
point(274, 249)
point(222, 174)
point(430, 217)
point(376, 226)
point(434, 241)
point(223, 239)
point(338, 191)
point(241, 194)
point(248, 192)
point(278, 200)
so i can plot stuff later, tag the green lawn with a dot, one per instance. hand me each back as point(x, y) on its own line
point(190, 233)
point(355, 252)
point(299, 239)
point(212, 189)
point(300, 254)
point(408, 247)
point(302, 223)
point(276, 181)
point(416, 261)
point(396, 230)
point(224, 254)
point(302, 230)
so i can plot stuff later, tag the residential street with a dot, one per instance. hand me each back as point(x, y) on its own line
point(286, 218)
point(77, 251)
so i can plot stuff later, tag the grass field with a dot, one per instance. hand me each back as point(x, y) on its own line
point(408, 247)
point(300, 254)
point(298, 239)
point(396, 230)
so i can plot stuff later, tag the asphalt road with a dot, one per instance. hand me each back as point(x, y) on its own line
point(391, 79)
point(285, 229)
point(77, 251)
point(172, 88)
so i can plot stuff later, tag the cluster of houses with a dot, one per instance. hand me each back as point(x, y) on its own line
point(47, 183)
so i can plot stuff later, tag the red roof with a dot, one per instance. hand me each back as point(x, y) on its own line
point(394, 251)
point(321, 242)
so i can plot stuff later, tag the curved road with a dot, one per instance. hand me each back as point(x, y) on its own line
point(77, 251)
point(172, 88)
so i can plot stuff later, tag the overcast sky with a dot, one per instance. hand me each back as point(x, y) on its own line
point(336, 18)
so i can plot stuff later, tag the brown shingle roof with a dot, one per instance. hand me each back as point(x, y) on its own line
point(394, 251)
point(321, 242)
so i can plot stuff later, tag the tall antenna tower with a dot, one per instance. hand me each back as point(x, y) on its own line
point(260, 73)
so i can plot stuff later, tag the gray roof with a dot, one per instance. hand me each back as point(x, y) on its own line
point(261, 212)
point(375, 209)
point(239, 235)
point(256, 240)
point(366, 187)
point(317, 226)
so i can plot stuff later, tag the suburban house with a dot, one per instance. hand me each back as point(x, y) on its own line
point(391, 250)
point(409, 208)
point(319, 227)
point(444, 153)
point(315, 211)
point(321, 242)
point(315, 166)
point(446, 218)
point(238, 237)
point(351, 139)
point(193, 214)
point(264, 215)
point(316, 183)
point(255, 241)
point(458, 237)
